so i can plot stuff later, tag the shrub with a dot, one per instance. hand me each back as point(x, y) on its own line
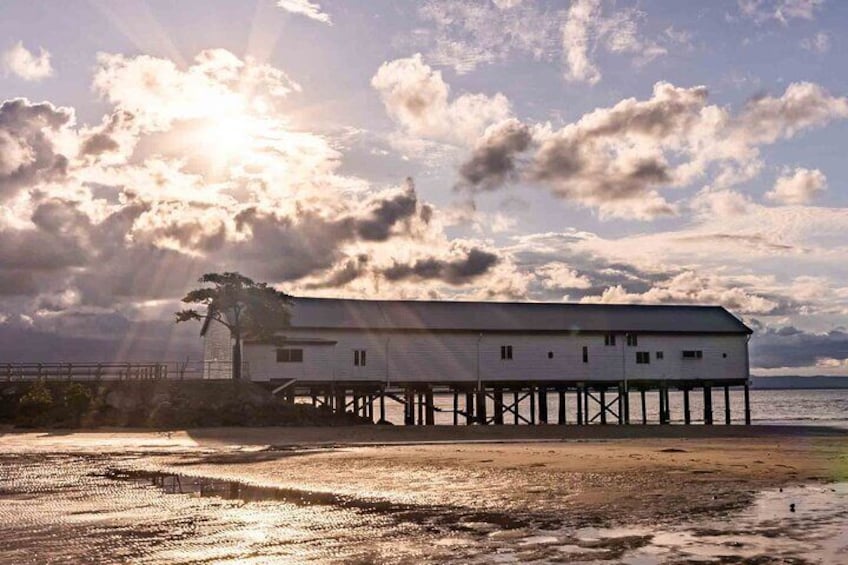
point(35, 405)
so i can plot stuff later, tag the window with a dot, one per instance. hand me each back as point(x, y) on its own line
point(724, 355)
point(609, 339)
point(359, 359)
point(692, 354)
point(585, 354)
point(631, 340)
point(643, 357)
point(550, 354)
point(506, 352)
point(289, 356)
point(659, 355)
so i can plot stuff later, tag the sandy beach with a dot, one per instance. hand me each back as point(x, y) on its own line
point(495, 479)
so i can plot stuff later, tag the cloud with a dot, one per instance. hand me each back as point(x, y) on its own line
point(819, 43)
point(576, 41)
point(305, 8)
point(464, 34)
point(785, 347)
point(779, 10)
point(417, 98)
point(218, 84)
point(29, 150)
point(798, 187)
point(690, 288)
point(587, 28)
point(492, 162)
point(464, 266)
point(619, 159)
point(19, 61)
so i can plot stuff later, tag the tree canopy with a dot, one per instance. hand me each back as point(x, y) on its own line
point(245, 307)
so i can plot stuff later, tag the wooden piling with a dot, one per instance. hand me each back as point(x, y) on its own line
point(644, 408)
point(481, 406)
point(516, 397)
point(469, 407)
point(341, 401)
point(561, 416)
point(580, 417)
point(747, 405)
point(409, 407)
point(543, 405)
point(726, 405)
point(455, 407)
point(532, 406)
point(499, 406)
point(430, 408)
point(708, 404)
point(620, 404)
point(603, 397)
point(687, 413)
point(382, 405)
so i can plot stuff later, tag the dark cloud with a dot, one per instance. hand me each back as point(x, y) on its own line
point(347, 272)
point(102, 140)
point(27, 154)
point(99, 143)
point(790, 347)
point(387, 212)
point(457, 271)
point(99, 338)
point(492, 163)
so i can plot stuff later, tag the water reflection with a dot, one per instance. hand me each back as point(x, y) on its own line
point(64, 508)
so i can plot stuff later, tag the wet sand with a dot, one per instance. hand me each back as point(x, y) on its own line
point(472, 493)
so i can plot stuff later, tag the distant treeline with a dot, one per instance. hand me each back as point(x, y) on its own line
point(796, 382)
point(155, 404)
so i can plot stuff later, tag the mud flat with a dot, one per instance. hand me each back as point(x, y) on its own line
point(631, 494)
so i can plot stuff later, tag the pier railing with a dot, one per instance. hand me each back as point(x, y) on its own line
point(74, 371)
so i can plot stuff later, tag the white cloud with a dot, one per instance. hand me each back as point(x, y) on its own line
point(819, 43)
point(305, 8)
point(689, 287)
point(418, 99)
point(779, 10)
point(618, 159)
point(798, 187)
point(576, 41)
point(18, 60)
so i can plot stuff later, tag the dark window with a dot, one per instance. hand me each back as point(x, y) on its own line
point(693, 354)
point(506, 352)
point(724, 355)
point(550, 354)
point(659, 354)
point(585, 354)
point(631, 340)
point(359, 357)
point(609, 339)
point(643, 357)
point(289, 356)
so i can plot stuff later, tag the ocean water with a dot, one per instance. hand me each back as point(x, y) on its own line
point(790, 407)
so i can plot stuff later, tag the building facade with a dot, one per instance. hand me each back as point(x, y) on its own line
point(398, 342)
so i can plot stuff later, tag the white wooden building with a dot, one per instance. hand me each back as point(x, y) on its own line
point(489, 346)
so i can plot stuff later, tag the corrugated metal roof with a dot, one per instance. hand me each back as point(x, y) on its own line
point(511, 316)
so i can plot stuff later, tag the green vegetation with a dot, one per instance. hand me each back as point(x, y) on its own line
point(243, 306)
point(155, 404)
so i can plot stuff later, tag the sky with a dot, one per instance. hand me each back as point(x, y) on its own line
point(616, 151)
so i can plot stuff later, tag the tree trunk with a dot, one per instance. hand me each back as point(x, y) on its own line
point(237, 359)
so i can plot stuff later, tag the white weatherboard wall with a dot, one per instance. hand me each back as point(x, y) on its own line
point(445, 357)
point(217, 352)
